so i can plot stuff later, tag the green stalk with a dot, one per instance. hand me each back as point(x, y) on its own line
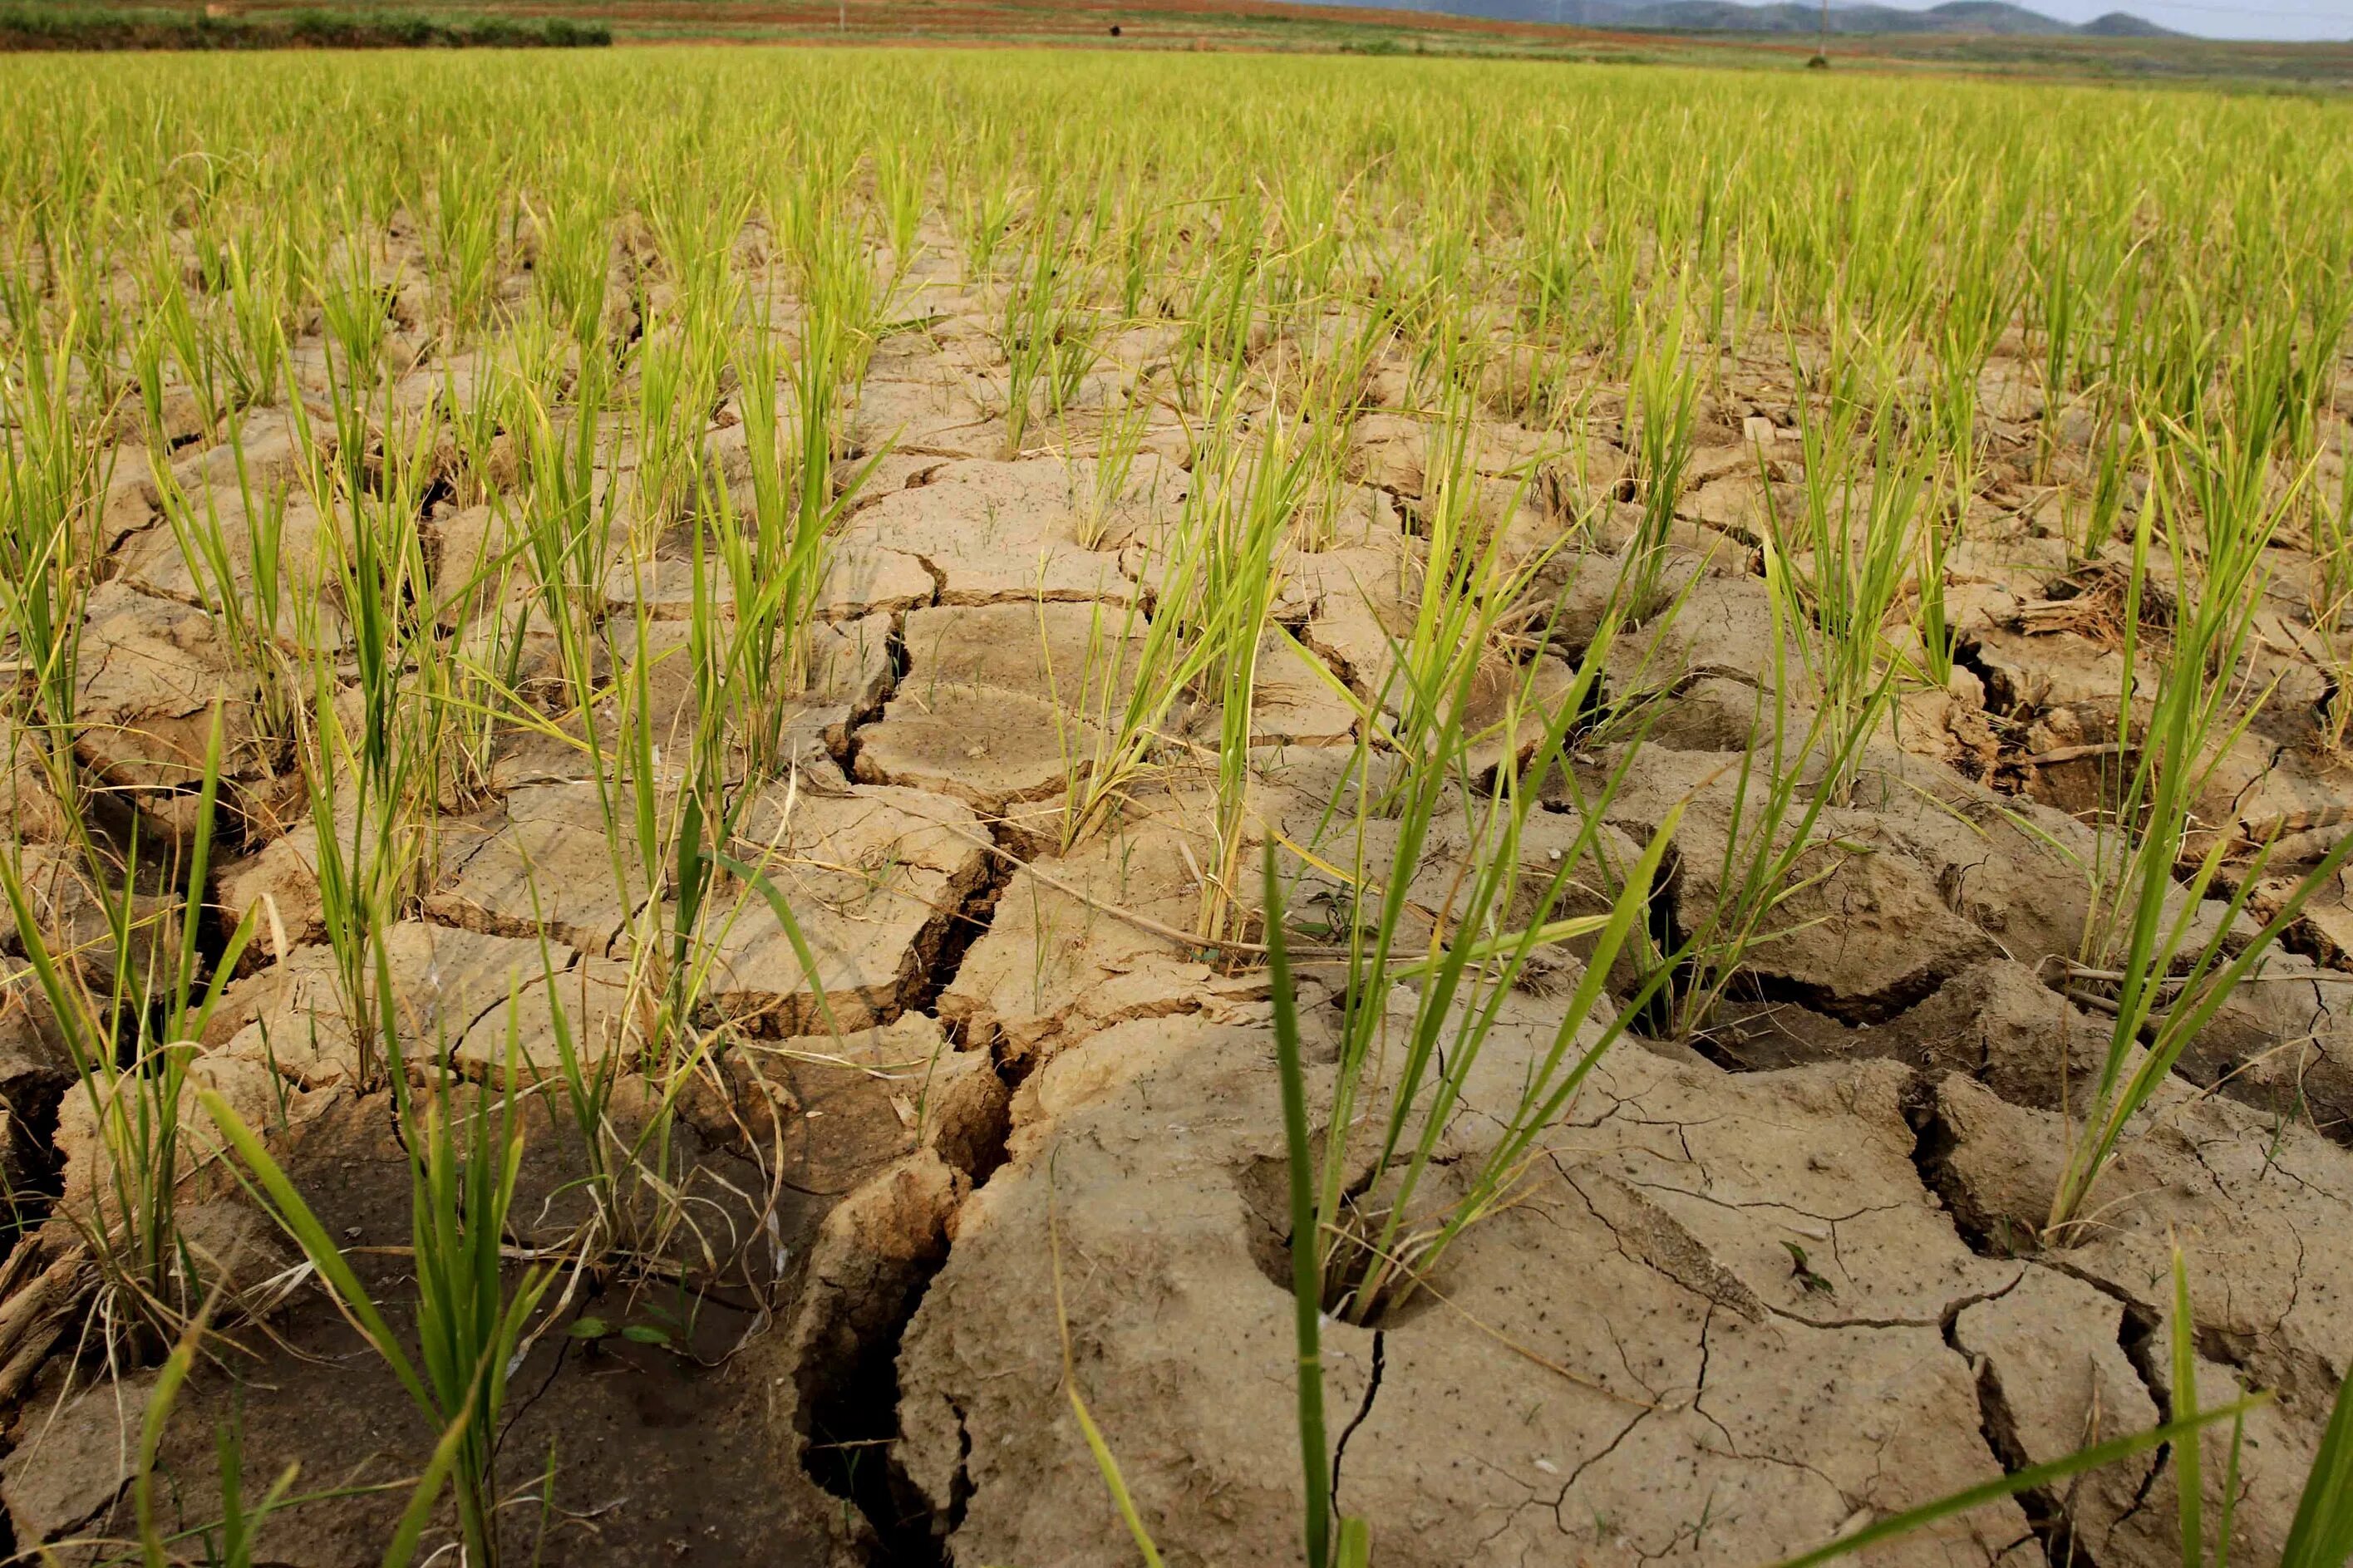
point(1306, 1248)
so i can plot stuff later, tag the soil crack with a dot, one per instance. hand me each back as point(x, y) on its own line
point(2046, 1511)
point(1364, 1409)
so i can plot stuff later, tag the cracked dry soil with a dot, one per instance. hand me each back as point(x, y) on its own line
point(1756, 1287)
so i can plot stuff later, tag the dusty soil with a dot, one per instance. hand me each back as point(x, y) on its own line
point(1760, 1284)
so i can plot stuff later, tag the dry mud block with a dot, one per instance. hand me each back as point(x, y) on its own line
point(548, 862)
point(932, 414)
point(2261, 1210)
point(1712, 1329)
point(92, 1184)
point(1054, 967)
point(994, 705)
point(874, 876)
point(2063, 1363)
point(275, 562)
point(1020, 532)
point(456, 993)
point(27, 792)
point(877, 878)
point(848, 666)
point(84, 1459)
point(35, 1072)
point(833, 1108)
point(152, 671)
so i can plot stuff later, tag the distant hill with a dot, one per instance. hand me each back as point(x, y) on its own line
point(2124, 24)
point(1965, 16)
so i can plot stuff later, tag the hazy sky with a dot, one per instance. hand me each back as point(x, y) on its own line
point(2216, 18)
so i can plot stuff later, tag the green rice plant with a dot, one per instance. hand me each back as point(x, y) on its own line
point(775, 560)
point(245, 588)
point(573, 227)
point(1774, 850)
point(1469, 593)
point(2110, 485)
point(351, 294)
point(2189, 1458)
point(360, 760)
point(1983, 298)
point(697, 214)
point(252, 347)
point(462, 231)
point(1137, 667)
point(1353, 1535)
point(838, 286)
point(175, 331)
point(988, 211)
point(1114, 461)
point(1335, 363)
point(1255, 494)
point(2277, 383)
point(567, 526)
point(2173, 978)
point(1046, 335)
point(53, 468)
point(901, 175)
point(661, 822)
point(1842, 566)
point(1228, 292)
point(677, 369)
point(1615, 259)
point(1551, 264)
point(1141, 248)
point(130, 1038)
point(1660, 408)
point(470, 1322)
point(1401, 1083)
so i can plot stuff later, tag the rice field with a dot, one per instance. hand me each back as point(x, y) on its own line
point(866, 807)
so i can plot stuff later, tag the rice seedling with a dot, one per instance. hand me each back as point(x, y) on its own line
point(1250, 498)
point(130, 1036)
point(2174, 976)
point(1843, 565)
point(470, 1322)
point(1663, 402)
point(1773, 850)
point(1376, 1243)
point(1048, 335)
point(53, 473)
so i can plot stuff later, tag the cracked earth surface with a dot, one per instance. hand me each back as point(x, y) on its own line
point(1756, 1287)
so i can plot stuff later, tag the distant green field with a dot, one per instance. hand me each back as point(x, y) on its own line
point(91, 26)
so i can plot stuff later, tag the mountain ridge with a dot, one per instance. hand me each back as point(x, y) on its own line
point(1954, 17)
